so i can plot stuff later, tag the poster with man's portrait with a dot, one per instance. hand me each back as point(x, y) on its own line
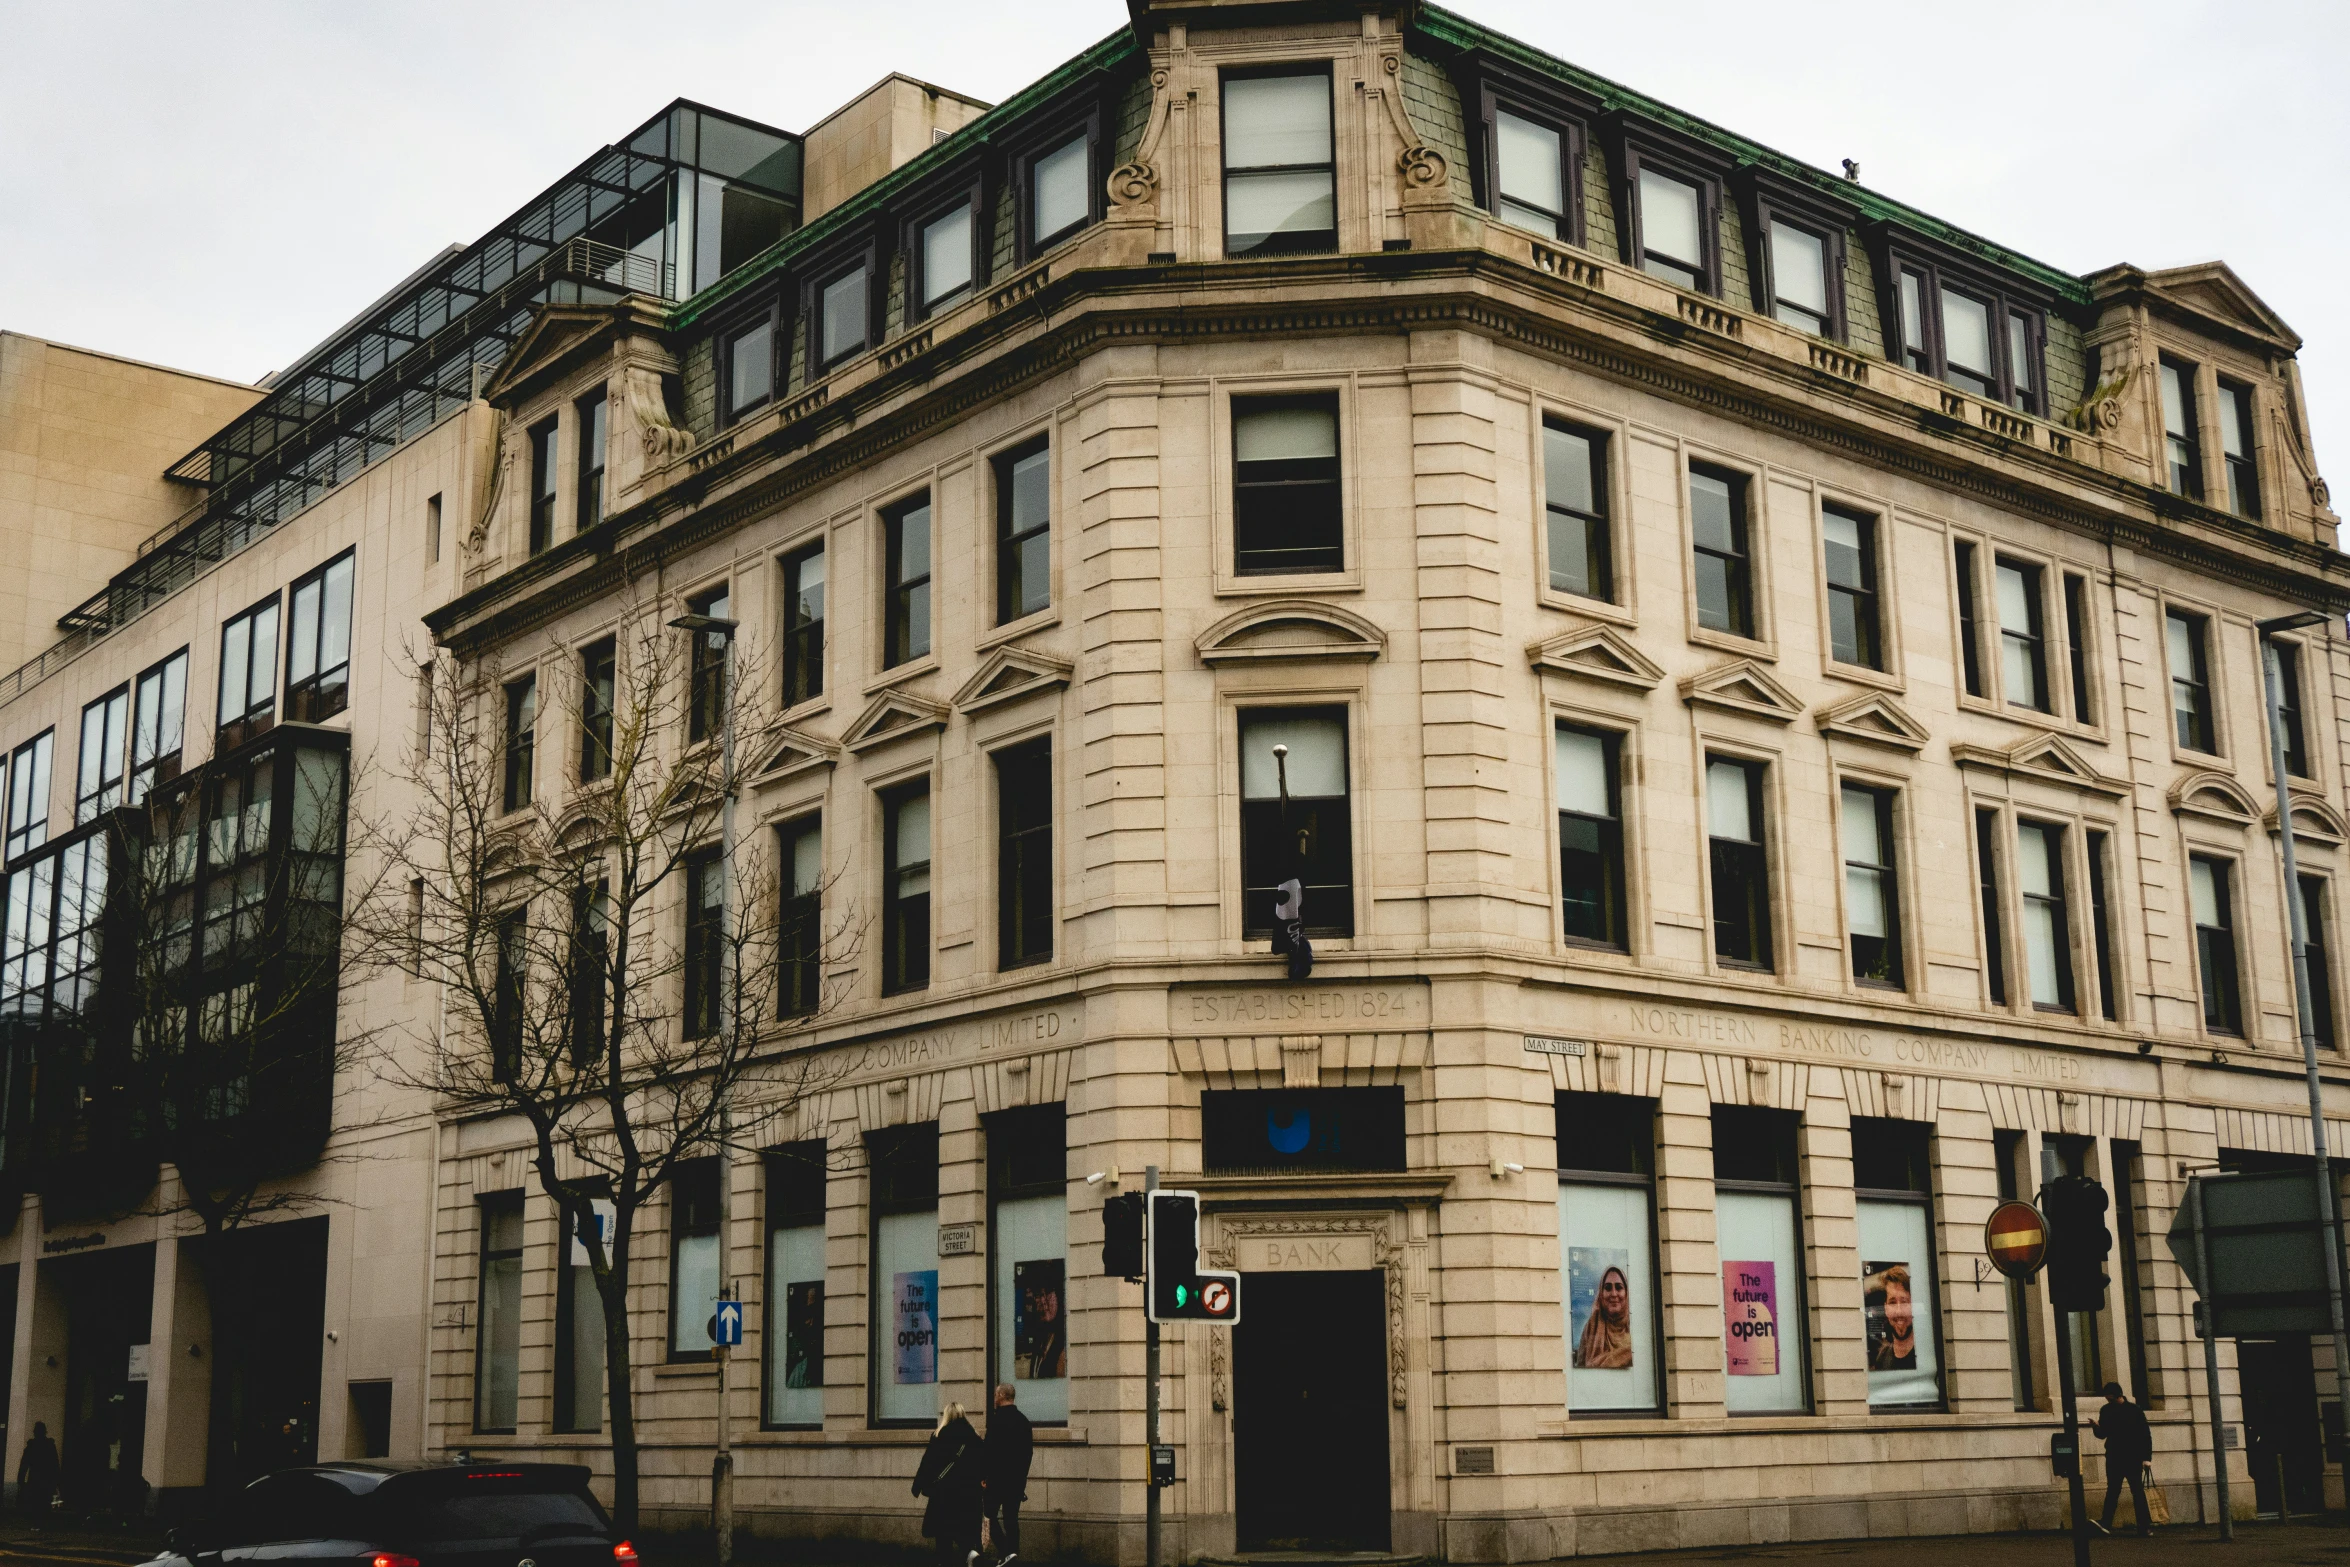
point(803, 1334)
point(1040, 1329)
point(1890, 1296)
point(1599, 1307)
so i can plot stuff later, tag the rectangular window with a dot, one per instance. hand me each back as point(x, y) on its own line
point(593, 437)
point(843, 318)
point(2235, 447)
point(1894, 1205)
point(28, 794)
point(1855, 634)
point(318, 642)
point(579, 1324)
point(907, 611)
point(803, 626)
point(2209, 894)
point(800, 927)
point(2181, 441)
point(1872, 888)
point(1801, 284)
point(2023, 640)
point(497, 1369)
point(1994, 928)
point(905, 897)
point(105, 745)
point(794, 1334)
point(2048, 940)
point(1307, 837)
point(1759, 1242)
point(1280, 183)
point(510, 933)
point(1916, 353)
point(705, 943)
point(248, 675)
point(1966, 344)
point(598, 670)
point(1591, 836)
point(696, 1273)
point(1717, 515)
point(591, 970)
point(1607, 1252)
point(1534, 177)
point(1574, 484)
point(2129, 1190)
point(542, 485)
point(706, 709)
point(159, 722)
point(1740, 863)
point(1672, 230)
point(750, 367)
point(1287, 512)
point(2321, 970)
point(2007, 1152)
point(1028, 1199)
point(2023, 360)
point(2289, 707)
point(2076, 644)
point(1972, 336)
point(1023, 532)
point(1024, 854)
point(1970, 619)
point(1264, 1131)
point(902, 1351)
point(432, 531)
point(945, 254)
point(1060, 192)
point(2190, 681)
point(522, 715)
point(2101, 925)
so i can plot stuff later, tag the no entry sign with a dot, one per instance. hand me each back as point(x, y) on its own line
point(2017, 1239)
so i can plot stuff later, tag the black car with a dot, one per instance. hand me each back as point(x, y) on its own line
point(384, 1514)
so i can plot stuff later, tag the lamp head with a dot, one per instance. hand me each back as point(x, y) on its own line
point(704, 623)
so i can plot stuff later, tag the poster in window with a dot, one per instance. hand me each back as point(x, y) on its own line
point(1892, 1309)
point(1750, 1318)
point(1897, 1294)
point(1040, 1332)
point(1599, 1305)
point(803, 1334)
point(915, 1298)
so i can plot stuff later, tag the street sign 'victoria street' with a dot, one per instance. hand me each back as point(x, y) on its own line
point(2016, 1238)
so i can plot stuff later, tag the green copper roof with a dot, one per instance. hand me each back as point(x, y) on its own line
point(1451, 28)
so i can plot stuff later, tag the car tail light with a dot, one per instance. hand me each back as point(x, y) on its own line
point(392, 1559)
point(624, 1554)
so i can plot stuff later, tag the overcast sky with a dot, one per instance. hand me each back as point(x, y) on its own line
point(217, 186)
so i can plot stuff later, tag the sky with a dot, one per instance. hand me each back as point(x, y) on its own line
point(217, 187)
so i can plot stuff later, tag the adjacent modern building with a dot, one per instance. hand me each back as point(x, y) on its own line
point(1757, 687)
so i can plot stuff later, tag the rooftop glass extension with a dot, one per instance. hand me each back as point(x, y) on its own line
point(688, 197)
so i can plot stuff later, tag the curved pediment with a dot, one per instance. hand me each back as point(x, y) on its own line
point(2313, 819)
point(2215, 795)
point(1289, 629)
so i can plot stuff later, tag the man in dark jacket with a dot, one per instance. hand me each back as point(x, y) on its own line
point(36, 1474)
point(1011, 1444)
point(2121, 1426)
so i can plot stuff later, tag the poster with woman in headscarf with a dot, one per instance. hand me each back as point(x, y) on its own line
point(1599, 1298)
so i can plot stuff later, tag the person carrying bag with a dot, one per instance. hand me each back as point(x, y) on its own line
point(950, 1476)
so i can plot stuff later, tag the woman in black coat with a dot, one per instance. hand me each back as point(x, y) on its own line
point(952, 1469)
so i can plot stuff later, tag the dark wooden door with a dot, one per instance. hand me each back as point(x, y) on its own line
point(1309, 1413)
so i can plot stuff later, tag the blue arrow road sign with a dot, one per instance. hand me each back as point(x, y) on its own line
point(729, 1322)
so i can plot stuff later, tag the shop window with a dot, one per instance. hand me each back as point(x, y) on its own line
point(1607, 1253)
point(1575, 496)
point(318, 642)
point(794, 1334)
point(497, 1372)
point(1758, 1238)
point(1028, 1199)
point(695, 1269)
point(2008, 1153)
point(2129, 1184)
point(1309, 836)
point(1288, 510)
point(903, 1308)
point(1280, 180)
point(1266, 1131)
point(1591, 836)
point(1894, 1203)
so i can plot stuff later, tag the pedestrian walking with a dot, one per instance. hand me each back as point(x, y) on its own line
point(1011, 1444)
point(36, 1473)
point(951, 1477)
point(2129, 1446)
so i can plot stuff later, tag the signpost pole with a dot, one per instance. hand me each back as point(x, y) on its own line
point(1150, 1373)
point(2297, 917)
point(2072, 1431)
point(2219, 1450)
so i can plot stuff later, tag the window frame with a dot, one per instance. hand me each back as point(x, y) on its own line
point(1495, 92)
point(1886, 803)
point(1758, 771)
point(1309, 244)
point(317, 696)
point(1008, 1133)
point(891, 1147)
point(783, 1212)
point(2035, 574)
point(591, 416)
point(1764, 199)
point(679, 1206)
point(509, 1201)
point(1033, 148)
point(1748, 568)
point(820, 272)
point(92, 798)
point(597, 707)
point(898, 596)
point(1790, 1125)
point(2199, 683)
point(904, 970)
point(2061, 900)
point(1301, 706)
point(709, 664)
point(1966, 603)
point(1022, 769)
point(2194, 484)
point(1992, 878)
point(1637, 143)
point(2292, 705)
point(2241, 469)
point(1897, 253)
point(803, 641)
point(1616, 856)
point(701, 1012)
point(546, 483)
point(518, 753)
point(1873, 625)
point(1931, 1321)
point(1603, 439)
point(164, 765)
point(799, 915)
point(963, 189)
point(28, 828)
point(2317, 900)
point(2228, 999)
point(1643, 1181)
point(728, 338)
point(1009, 575)
point(257, 718)
point(1274, 578)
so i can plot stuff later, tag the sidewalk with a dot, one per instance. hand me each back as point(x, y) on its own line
point(2316, 1543)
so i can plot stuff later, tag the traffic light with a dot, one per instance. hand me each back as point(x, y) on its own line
point(2078, 1242)
point(1176, 1290)
point(1122, 1236)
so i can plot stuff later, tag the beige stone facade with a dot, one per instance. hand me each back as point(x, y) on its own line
point(2082, 959)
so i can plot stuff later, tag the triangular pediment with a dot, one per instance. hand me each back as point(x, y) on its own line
point(2215, 795)
point(1289, 629)
point(554, 340)
point(1597, 653)
point(1743, 686)
point(793, 751)
point(2046, 757)
point(1007, 675)
point(2212, 288)
point(1875, 718)
point(893, 715)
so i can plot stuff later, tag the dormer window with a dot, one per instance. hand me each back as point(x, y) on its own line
point(1532, 175)
point(945, 252)
point(1795, 239)
point(749, 369)
point(1060, 192)
point(1969, 333)
point(1280, 174)
point(1672, 230)
point(843, 318)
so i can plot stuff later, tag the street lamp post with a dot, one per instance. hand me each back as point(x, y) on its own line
point(722, 1467)
point(2304, 1010)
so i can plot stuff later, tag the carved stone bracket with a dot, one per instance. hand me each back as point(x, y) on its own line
point(479, 534)
point(663, 441)
point(1422, 165)
point(1136, 184)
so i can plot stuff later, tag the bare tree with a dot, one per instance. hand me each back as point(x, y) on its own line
point(571, 913)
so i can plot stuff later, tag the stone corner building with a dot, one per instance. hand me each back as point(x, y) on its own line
point(1775, 759)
